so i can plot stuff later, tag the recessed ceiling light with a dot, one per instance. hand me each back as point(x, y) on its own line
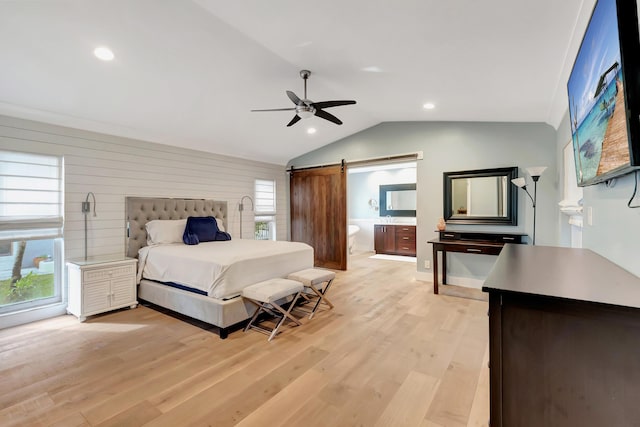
point(311, 131)
point(429, 106)
point(103, 53)
point(372, 69)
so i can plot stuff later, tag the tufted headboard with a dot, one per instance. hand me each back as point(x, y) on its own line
point(140, 210)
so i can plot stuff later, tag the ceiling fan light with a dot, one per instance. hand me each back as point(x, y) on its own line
point(103, 53)
point(305, 114)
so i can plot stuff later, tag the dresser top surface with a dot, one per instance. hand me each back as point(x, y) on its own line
point(577, 274)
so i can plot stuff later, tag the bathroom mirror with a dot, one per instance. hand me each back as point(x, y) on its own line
point(398, 200)
point(483, 196)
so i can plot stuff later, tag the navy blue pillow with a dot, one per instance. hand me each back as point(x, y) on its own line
point(190, 239)
point(222, 235)
point(202, 229)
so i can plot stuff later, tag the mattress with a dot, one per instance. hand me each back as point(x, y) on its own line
point(223, 268)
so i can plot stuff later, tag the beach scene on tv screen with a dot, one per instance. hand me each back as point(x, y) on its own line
point(596, 98)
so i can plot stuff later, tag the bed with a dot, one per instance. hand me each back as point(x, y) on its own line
point(205, 280)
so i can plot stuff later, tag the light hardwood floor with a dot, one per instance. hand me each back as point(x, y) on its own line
point(390, 354)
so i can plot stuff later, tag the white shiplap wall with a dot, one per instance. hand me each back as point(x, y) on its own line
point(113, 167)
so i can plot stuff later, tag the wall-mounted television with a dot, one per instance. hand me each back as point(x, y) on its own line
point(604, 95)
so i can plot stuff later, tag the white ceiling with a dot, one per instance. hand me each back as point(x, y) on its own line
point(187, 73)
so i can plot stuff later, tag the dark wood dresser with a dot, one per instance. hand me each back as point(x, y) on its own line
point(564, 339)
point(470, 242)
point(395, 239)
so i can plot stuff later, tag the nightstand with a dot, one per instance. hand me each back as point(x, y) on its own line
point(97, 286)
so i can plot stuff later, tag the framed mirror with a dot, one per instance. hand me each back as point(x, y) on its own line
point(483, 196)
point(398, 200)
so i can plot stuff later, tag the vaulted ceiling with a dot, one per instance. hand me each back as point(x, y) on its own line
point(187, 73)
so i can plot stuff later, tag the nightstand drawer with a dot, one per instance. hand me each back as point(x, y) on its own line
point(108, 273)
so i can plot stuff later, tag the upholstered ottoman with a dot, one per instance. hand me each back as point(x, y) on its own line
point(316, 282)
point(265, 296)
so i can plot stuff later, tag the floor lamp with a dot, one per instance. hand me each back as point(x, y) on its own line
point(535, 173)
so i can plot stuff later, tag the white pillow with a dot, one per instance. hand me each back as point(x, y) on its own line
point(165, 231)
point(220, 225)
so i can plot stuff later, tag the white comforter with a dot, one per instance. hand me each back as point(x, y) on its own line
point(222, 269)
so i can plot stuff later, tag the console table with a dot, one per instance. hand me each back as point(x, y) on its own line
point(564, 339)
point(467, 242)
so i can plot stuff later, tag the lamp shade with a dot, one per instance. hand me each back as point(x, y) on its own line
point(519, 182)
point(536, 171)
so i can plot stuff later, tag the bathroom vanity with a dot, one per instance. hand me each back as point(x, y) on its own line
point(395, 239)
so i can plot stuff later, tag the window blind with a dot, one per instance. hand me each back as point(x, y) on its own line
point(265, 196)
point(31, 196)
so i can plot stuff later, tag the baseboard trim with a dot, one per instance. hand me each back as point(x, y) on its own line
point(466, 282)
point(34, 314)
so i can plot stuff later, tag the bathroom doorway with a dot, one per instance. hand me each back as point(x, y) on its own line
point(364, 211)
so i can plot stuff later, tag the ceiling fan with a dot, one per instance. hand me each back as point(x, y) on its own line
point(306, 108)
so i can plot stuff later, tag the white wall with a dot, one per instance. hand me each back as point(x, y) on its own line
point(615, 230)
point(113, 168)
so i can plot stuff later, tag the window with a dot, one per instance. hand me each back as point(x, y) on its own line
point(265, 211)
point(31, 219)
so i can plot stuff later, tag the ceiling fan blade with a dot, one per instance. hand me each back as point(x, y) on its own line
point(277, 109)
point(293, 97)
point(293, 121)
point(329, 104)
point(328, 116)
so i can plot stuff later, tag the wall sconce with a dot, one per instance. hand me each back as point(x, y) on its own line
point(241, 208)
point(86, 209)
point(535, 173)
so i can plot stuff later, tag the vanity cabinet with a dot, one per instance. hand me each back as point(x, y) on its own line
point(395, 239)
point(99, 286)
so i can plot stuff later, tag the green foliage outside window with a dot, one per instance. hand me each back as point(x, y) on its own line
point(262, 231)
point(30, 287)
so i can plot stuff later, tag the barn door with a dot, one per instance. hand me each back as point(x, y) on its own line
point(319, 213)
